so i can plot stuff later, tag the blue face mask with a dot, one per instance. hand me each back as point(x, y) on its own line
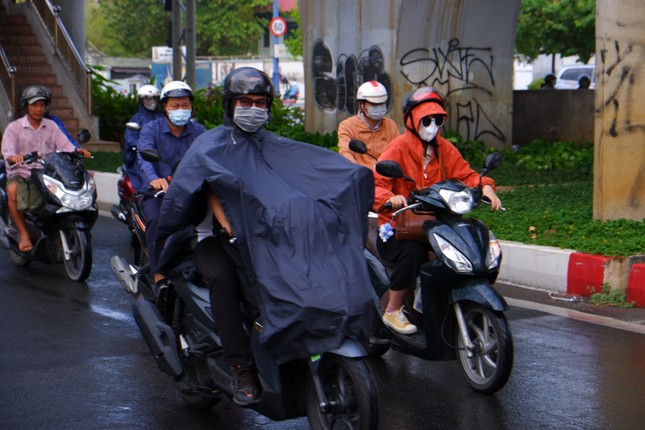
point(179, 117)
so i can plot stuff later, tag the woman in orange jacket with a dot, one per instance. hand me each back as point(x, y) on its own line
point(427, 158)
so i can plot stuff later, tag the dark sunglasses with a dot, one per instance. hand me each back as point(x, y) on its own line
point(438, 119)
point(246, 103)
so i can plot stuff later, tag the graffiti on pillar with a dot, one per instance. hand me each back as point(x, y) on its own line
point(626, 66)
point(473, 119)
point(454, 68)
point(335, 84)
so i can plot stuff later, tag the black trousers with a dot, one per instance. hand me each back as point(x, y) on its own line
point(218, 271)
point(151, 209)
point(408, 256)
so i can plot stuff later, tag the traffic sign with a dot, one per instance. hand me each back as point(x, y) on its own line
point(278, 26)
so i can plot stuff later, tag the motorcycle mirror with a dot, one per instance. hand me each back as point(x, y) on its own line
point(134, 126)
point(493, 160)
point(150, 155)
point(83, 136)
point(392, 169)
point(389, 169)
point(358, 146)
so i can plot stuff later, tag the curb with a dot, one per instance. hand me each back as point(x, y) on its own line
point(547, 268)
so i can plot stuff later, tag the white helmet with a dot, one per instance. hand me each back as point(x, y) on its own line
point(176, 89)
point(148, 91)
point(373, 92)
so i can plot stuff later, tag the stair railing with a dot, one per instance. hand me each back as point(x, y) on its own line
point(80, 73)
point(7, 72)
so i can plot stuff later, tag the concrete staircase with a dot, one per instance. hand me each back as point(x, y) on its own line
point(25, 53)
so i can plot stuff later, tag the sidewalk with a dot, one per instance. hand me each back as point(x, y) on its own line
point(562, 272)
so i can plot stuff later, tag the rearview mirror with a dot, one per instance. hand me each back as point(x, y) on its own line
point(150, 155)
point(493, 160)
point(134, 126)
point(358, 146)
point(389, 169)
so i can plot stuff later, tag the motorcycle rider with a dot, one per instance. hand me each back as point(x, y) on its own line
point(32, 132)
point(171, 135)
point(148, 96)
point(265, 191)
point(369, 125)
point(427, 158)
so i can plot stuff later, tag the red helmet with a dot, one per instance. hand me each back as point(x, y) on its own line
point(431, 101)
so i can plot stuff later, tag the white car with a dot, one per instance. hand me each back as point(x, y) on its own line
point(568, 76)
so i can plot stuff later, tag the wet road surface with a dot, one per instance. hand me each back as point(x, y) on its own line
point(72, 358)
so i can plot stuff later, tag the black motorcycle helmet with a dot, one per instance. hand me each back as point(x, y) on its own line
point(245, 80)
point(33, 93)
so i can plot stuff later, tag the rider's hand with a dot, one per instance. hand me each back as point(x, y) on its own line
point(495, 202)
point(397, 202)
point(15, 159)
point(159, 184)
point(84, 152)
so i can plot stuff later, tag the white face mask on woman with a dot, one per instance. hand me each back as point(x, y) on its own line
point(428, 127)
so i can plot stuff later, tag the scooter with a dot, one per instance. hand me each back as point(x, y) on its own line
point(128, 209)
point(459, 313)
point(61, 229)
point(334, 389)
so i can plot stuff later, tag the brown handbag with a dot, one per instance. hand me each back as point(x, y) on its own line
point(409, 225)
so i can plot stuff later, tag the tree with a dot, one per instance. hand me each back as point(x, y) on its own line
point(130, 28)
point(565, 27)
point(294, 39)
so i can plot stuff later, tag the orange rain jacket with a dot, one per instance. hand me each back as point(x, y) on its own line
point(407, 150)
point(355, 128)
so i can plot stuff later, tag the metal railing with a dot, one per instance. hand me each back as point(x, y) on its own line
point(80, 73)
point(7, 72)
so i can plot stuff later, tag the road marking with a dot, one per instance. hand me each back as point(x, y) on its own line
point(577, 315)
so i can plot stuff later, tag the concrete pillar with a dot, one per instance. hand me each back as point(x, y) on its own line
point(464, 48)
point(619, 168)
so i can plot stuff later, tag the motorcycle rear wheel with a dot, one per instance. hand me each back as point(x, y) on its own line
point(79, 266)
point(349, 388)
point(490, 367)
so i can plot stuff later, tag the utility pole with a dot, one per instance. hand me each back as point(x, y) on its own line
point(186, 34)
point(276, 62)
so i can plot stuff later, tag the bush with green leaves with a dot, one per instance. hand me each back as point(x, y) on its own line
point(111, 107)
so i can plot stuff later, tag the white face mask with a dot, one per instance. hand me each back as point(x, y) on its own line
point(376, 112)
point(428, 133)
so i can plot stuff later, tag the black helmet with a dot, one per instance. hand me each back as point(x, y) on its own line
point(245, 80)
point(33, 93)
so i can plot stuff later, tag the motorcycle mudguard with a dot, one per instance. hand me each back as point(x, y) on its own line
point(477, 290)
point(158, 336)
point(349, 348)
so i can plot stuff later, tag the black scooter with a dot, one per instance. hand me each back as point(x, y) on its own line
point(334, 389)
point(61, 229)
point(459, 313)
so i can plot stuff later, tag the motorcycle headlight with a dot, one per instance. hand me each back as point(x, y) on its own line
point(459, 202)
point(494, 252)
point(71, 200)
point(459, 261)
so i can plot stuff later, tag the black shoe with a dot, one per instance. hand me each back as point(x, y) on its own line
point(246, 387)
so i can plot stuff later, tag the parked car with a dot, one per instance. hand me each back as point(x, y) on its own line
point(568, 76)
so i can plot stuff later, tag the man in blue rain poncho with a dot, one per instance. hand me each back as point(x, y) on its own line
point(299, 215)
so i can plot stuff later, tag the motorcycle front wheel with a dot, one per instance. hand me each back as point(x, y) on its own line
point(490, 365)
point(350, 392)
point(79, 265)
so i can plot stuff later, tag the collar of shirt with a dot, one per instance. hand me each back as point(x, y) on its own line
point(361, 114)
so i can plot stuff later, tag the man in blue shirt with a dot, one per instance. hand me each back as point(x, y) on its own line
point(171, 136)
point(148, 96)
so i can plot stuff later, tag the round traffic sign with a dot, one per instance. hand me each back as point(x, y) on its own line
point(278, 26)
